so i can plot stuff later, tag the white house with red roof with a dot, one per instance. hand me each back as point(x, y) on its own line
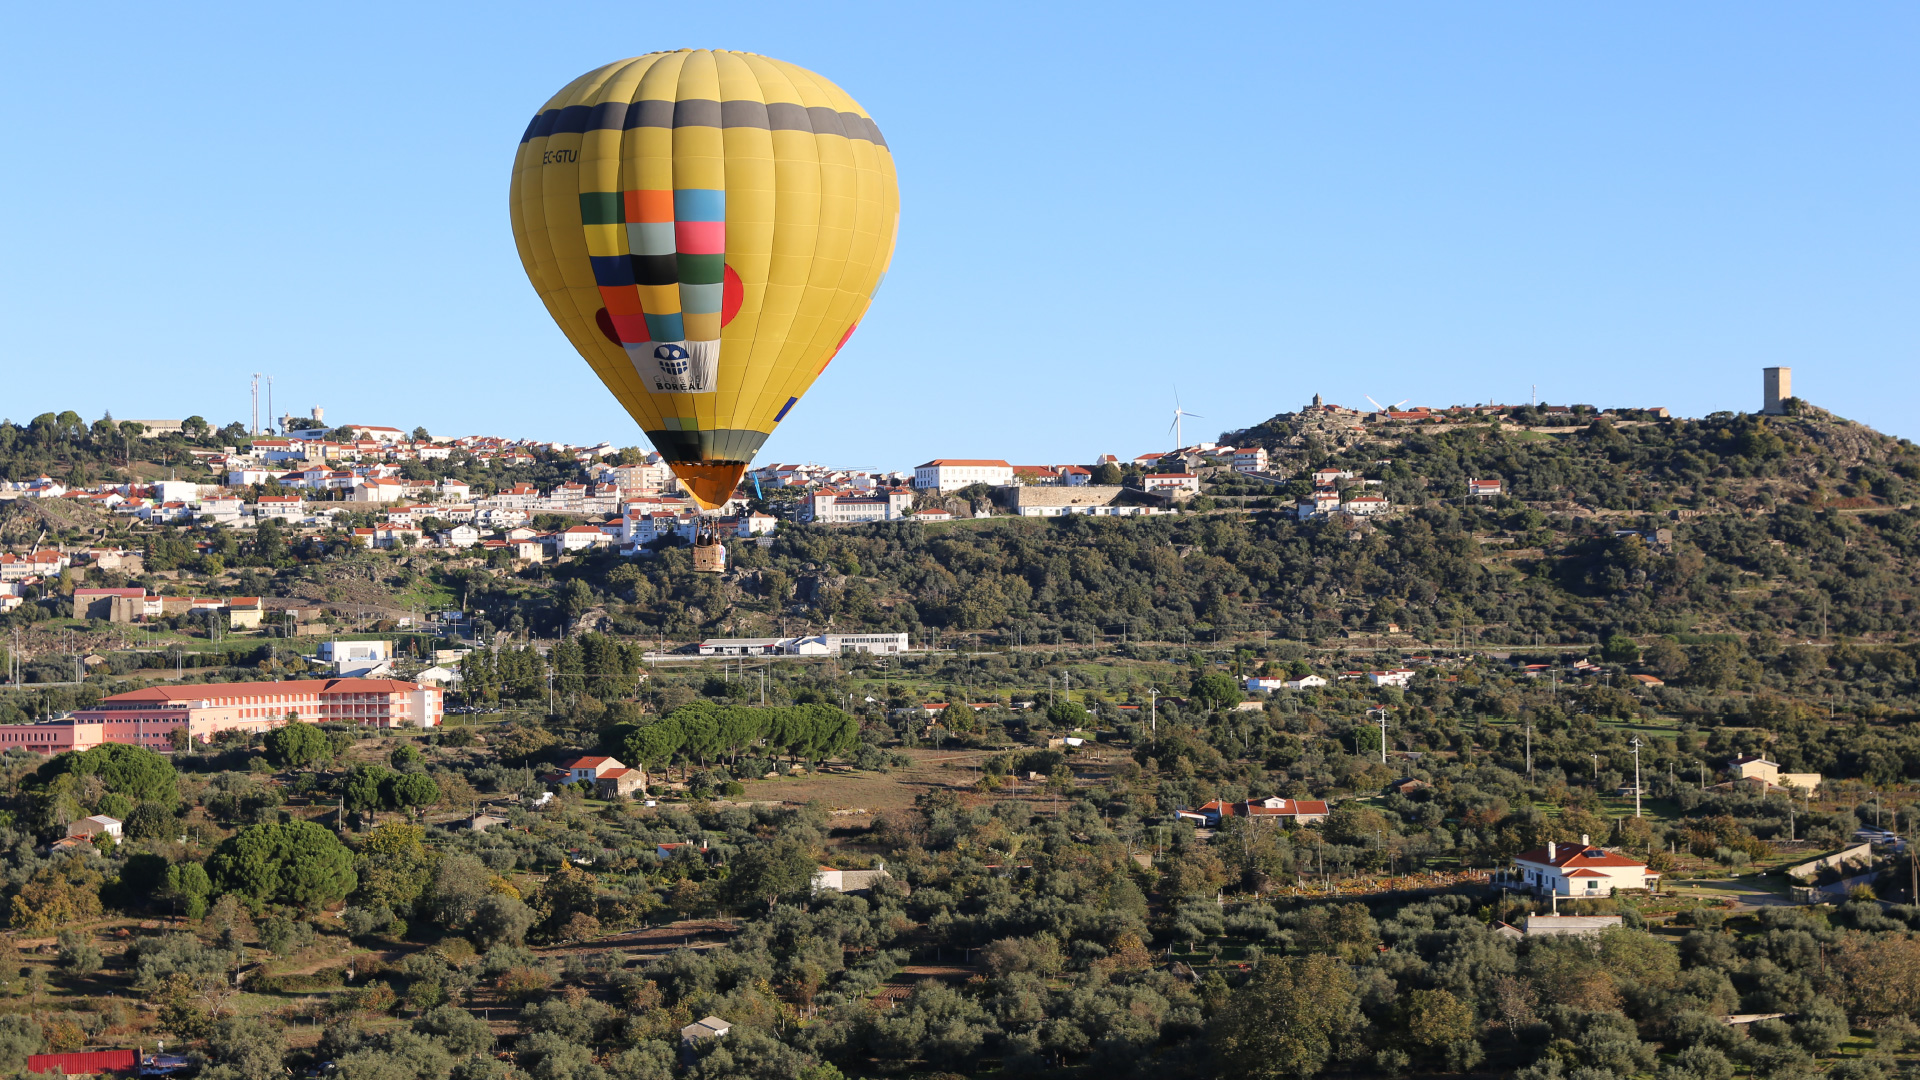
point(1580, 870)
point(1269, 809)
point(1169, 483)
point(591, 768)
point(952, 474)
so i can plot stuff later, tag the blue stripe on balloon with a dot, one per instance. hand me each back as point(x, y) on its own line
point(666, 327)
point(612, 270)
point(699, 204)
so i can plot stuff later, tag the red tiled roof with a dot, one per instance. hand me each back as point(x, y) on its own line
point(964, 461)
point(192, 692)
point(585, 762)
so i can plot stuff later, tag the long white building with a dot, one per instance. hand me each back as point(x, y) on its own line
point(952, 474)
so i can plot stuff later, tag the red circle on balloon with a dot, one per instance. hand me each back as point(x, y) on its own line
point(732, 294)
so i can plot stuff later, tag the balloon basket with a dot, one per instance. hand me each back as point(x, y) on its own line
point(709, 551)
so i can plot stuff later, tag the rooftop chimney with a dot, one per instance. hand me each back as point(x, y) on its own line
point(1550, 851)
point(1584, 842)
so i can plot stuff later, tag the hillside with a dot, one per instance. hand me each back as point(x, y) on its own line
point(1581, 657)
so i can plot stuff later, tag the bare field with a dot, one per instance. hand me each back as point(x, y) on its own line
point(871, 791)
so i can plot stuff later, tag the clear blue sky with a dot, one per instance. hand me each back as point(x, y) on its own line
point(1632, 204)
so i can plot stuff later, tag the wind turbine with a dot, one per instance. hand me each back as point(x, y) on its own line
point(1179, 436)
point(1384, 408)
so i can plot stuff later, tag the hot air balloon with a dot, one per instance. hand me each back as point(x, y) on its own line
point(708, 228)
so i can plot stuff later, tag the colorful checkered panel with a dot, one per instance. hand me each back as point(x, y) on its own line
point(708, 228)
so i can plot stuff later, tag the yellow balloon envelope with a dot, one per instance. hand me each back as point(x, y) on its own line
point(708, 229)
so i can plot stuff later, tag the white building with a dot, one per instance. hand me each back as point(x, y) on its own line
point(1319, 504)
point(885, 644)
point(378, 489)
point(1484, 488)
point(1579, 870)
point(590, 768)
point(1365, 505)
point(1250, 460)
point(280, 507)
point(817, 645)
point(97, 825)
point(952, 474)
point(1396, 677)
point(1306, 682)
point(1169, 483)
point(354, 657)
point(828, 879)
point(1754, 768)
point(832, 506)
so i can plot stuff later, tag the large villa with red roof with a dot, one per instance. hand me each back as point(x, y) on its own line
point(148, 717)
point(1580, 870)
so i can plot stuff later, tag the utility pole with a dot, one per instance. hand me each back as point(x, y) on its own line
point(1382, 721)
point(1913, 868)
point(1635, 743)
point(1153, 708)
point(1529, 751)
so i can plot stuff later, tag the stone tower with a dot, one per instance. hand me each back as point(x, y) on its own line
point(1778, 388)
point(1316, 401)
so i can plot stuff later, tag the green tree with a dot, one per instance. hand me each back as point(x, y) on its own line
point(296, 745)
point(133, 771)
point(1215, 690)
point(392, 866)
point(405, 756)
point(1621, 649)
point(1067, 716)
point(767, 873)
point(410, 791)
point(247, 1048)
point(1289, 1020)
point(365, 787)
point(297, 863)
point(188, 887)
point(1435, 1019)
point(79, 956)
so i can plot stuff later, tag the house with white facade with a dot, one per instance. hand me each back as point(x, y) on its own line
point(833, 506)
point(1753, 768)
point(378, 489)
point(1319, 504)
point(1484, 488)
point(1169, 483)
point(952, 474)
point(590, 768)
point(1250, 460)
point(1579, 870)
point(1396, 677)
point(97, 825)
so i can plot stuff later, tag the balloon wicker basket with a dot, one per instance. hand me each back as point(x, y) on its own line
point(709, 554)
